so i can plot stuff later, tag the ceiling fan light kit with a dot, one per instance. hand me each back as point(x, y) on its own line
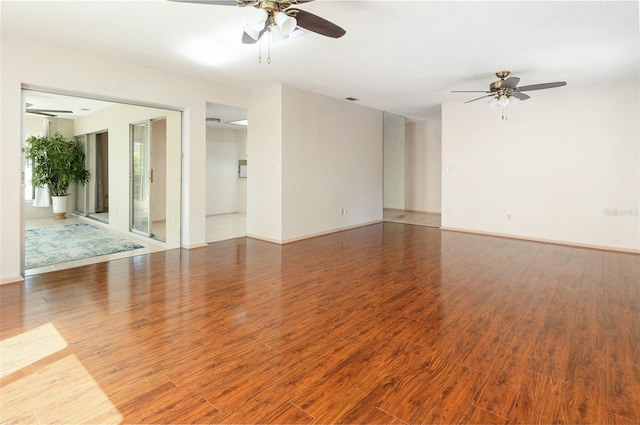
point(505, 92)
point(278, 18)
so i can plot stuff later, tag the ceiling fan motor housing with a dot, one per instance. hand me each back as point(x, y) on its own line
point(497, 85)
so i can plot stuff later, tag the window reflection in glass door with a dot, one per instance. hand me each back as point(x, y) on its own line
point(80, 189)
point(141, 178)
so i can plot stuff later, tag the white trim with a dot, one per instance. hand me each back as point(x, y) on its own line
point(313, 235)
point(194, 246)
point(551, 241)
point(8, 280)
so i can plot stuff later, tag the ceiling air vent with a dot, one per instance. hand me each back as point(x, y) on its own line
point(351, 99)
point(213, 119)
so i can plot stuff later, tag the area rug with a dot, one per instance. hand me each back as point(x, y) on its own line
point(59, 244)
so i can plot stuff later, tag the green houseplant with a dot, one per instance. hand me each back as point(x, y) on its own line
point(57, 163)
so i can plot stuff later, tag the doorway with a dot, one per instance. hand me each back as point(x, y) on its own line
point(227, 176)
point(102, 129)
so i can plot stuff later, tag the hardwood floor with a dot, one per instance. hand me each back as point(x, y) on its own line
point(385, 324)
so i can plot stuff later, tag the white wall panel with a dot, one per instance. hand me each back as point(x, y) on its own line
point(558, 169)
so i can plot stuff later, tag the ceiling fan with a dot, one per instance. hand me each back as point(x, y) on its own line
point(277, 17)
point(46, 112)
point(508, 86)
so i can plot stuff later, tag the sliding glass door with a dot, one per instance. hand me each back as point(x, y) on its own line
point(80, 190)
point(141, 178)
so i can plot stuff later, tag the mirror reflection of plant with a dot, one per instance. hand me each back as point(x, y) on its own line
point(57, 163)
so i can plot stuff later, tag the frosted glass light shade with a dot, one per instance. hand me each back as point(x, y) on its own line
point(261, 16)
point(254, 25)
point(503, 101)
point(286, 23)
point(277, 35)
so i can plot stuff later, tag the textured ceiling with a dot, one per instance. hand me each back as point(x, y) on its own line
point(399, 56)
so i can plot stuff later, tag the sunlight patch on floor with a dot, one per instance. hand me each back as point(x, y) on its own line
point(27, 348)
point(61, 390)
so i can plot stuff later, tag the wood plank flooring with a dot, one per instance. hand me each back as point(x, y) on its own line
point(385, 324)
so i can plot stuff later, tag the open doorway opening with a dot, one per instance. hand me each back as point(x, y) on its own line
point(227, 172)
point(102, 129)
point(412, 171)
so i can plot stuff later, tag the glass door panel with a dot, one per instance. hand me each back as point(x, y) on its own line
point(141, 178)
point(80, 190)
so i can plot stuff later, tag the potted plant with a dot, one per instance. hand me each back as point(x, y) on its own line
point(57, 163)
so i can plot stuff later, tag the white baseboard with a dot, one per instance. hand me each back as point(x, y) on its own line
point(224, 213)
point(313, 235)
point(8, 280)
point(262, 238)
point(551, 241)
point(195, 245)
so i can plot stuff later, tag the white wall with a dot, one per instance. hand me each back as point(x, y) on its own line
point(557, 165)
point(331, 159)
point(102, 77)
point(264, 160)
point(310, 156)
point(423, 165)
point(223, 184)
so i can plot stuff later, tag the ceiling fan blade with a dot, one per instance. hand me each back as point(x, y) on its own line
point(241, 3)
point(311, 22)
point(56, 111)
point(520, 96)
point(215, 2)
point(470, 91)
point(510, 83)
point(40, 113)
point(247, 39)
point(473, 100)
point(542, 86)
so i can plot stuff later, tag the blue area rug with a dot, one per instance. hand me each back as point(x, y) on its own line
point(59, 244)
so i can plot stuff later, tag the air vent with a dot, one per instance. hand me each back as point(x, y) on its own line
point(213, 119)
point(351, 99)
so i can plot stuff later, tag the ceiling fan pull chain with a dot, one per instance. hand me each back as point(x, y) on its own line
point(269, 48)
point(260, 51)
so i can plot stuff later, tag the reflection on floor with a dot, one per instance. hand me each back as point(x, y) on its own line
point(221, 227)
point(149, 244)
point(413, 217)
point(101, 216)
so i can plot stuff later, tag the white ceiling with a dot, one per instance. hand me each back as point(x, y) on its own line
point(403, 57)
